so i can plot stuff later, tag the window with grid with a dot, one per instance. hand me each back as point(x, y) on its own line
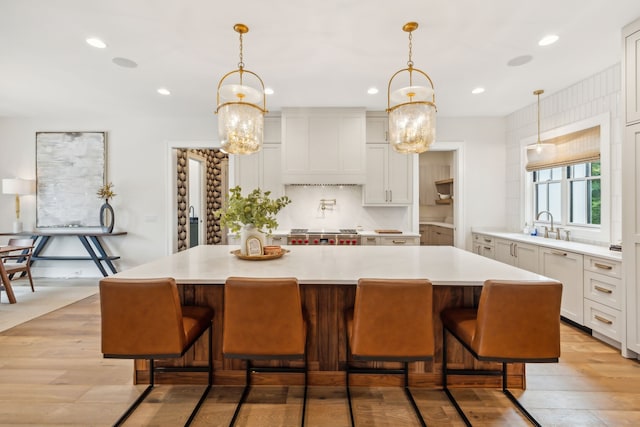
point(577, 185)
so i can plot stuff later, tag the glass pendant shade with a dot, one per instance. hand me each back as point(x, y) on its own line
point(240, 117)
point(240, 128)
point(412, 109)
point(412, 127)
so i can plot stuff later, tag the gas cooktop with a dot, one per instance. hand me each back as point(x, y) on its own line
point(319, 231)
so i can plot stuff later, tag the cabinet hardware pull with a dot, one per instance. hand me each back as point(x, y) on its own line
point(603, 320)
point(390, 196)
point(487, 240)
point(603, 290)
point(603, 266)
point(559, 253)
point(488, 248)
point(371, 239)
point(399, 242)
point(277, 239)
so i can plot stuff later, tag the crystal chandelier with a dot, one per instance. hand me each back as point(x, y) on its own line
point(240, 117)
point(411, 109)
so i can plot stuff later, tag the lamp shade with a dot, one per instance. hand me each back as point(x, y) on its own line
point(240, 128)
point(412, 127)
point(18, 186)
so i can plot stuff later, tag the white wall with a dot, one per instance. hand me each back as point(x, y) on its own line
point(596, 95)
point(483, 170)
point(137, 165)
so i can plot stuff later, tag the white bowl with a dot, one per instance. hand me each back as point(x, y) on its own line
point(444, 196)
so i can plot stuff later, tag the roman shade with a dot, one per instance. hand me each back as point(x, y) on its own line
point(570, 149)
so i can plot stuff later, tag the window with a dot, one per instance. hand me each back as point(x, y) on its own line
point(584, 193)
point(570, 193)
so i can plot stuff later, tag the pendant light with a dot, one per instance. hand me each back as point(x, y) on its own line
point(240, 117)
point(412, 108)
point(539, 150)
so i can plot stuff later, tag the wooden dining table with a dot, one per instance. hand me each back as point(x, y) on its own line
point(6, 282)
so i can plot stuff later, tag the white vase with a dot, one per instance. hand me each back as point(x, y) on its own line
point(248, 244)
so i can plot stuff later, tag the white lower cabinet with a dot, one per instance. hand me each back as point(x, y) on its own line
point(603, 319)
point(484, 245)
point(567, 268)
point(519, 254)
point(390, 240)
point(604, 298)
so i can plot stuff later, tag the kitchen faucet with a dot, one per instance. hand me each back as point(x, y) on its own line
point(546, 230)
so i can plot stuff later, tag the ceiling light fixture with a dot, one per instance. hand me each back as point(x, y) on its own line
point(540, 148)
point(412, 117)
point(477, 90)
point(240, 118)
point(547, 40)
point(268, 91)
point(96, 42)
point(372, 90)
point(164, 91)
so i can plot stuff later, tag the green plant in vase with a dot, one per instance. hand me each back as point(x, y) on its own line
point(251, 214)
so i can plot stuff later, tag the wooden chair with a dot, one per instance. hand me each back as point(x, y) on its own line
point(19, 261)
point(391, 321)
point(143, 319)
point(514, 322)
point(263, 320)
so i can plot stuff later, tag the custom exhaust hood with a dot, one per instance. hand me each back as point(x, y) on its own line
point(324, 146)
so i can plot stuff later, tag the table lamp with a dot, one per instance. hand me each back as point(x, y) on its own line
point(18, 187)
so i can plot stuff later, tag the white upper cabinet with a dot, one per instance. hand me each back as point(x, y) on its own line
point(323, 146)
point(262, 169)
point(632, 76)
point(389, 174)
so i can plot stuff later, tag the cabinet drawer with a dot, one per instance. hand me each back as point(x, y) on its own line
point(603, 319)
point(603, 266)
point(369, 240)
point(406, 241)
point(603, 289)
point(484, 240)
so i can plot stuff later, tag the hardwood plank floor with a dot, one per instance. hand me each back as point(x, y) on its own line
point(52, 374)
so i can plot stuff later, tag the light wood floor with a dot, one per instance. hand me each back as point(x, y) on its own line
point(52, 374)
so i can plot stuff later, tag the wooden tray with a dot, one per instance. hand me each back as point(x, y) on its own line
point(388, 231)
point(258, 257)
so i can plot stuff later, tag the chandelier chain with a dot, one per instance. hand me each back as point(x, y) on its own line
point(241, 63)
point(410, 61)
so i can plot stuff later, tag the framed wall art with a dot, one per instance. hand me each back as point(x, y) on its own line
point(70, 169)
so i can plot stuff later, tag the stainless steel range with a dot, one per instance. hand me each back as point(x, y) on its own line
point(305, 236)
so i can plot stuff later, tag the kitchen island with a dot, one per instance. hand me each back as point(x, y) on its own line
point(328, 275)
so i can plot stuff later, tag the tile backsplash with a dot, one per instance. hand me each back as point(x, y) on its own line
point(305, 210)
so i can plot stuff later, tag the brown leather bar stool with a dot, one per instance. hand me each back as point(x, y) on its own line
point(263, 320)
point(143, 319)
point(391, 320)
point(514, 322)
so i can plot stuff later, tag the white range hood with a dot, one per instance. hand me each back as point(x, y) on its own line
point(323, 146)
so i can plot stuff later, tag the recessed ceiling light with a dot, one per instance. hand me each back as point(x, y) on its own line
point(547, 40)
point(164, 91)
point(519, 60)
point(477, 90)
point(372, 90)
point(268, 91)
point(96, 42)
point(124, 62)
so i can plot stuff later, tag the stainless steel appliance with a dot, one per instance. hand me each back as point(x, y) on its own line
point(305, 236)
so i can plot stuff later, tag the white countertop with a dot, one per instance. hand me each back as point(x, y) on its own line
point(369, 233)
point(582, 248)
point(439, 224)
point(339, 265)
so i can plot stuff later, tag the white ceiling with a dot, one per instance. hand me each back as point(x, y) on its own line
point(311, 52)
